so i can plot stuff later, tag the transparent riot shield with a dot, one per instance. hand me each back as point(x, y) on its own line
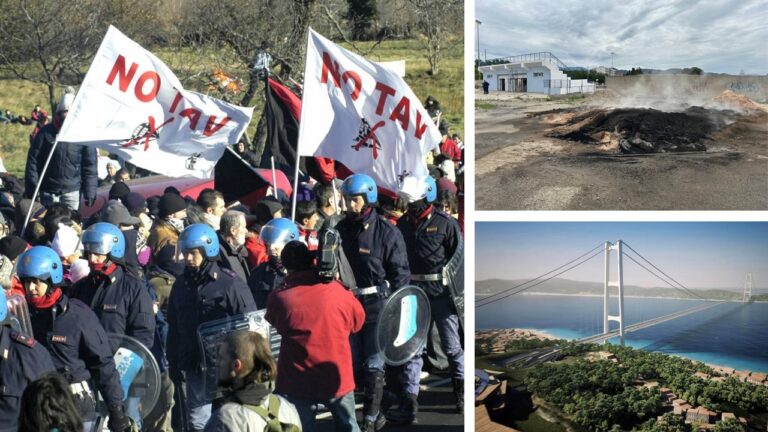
point(210, 334)
point(18, 312)
point(453, 279)
point(403, 325)
point(139, 378)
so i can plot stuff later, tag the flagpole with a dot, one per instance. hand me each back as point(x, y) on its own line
point(37, 187)
point(335, 195)
point(295, 187)
point(274, 176)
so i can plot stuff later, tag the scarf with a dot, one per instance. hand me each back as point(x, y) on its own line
point(418, 211)
point(45, 302)
point(251, 393)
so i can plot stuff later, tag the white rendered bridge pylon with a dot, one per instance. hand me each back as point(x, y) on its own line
point(747, 288)
point(609, 284)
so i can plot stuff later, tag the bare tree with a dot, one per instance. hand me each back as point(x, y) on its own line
point(438, 22)
point(52, 43)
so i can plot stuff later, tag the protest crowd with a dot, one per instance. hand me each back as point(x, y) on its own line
point(157, 267)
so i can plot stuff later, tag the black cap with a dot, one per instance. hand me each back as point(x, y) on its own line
point(118, 190)
point(169, 204)
point(12, 246)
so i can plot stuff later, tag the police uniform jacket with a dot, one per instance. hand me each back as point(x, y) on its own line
point(263, 280)
point(216, 293)
point(122, 303)
point(431, 242)
point(377, 255)
point(22, 360)
point(78, 345)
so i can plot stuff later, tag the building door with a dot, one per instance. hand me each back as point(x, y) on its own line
point(502, 84)
point(524, 85)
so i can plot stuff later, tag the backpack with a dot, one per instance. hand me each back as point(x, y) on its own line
point(270, 416)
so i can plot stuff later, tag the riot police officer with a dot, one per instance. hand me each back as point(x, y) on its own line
point(432, 238)
point(379, 261)
point(203, 293)
point(120, 300)
point(22, 360)
point(268, 275)
point(73, 335)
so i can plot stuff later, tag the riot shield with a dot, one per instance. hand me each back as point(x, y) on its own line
point(211, 333)
point(139, 378)
point(453, 279)
point(18, 312)
point(403, 325)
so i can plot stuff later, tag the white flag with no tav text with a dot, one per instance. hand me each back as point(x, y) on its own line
point(363, 115)
point(132, 105)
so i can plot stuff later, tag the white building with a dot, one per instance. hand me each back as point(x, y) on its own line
point(533, 73)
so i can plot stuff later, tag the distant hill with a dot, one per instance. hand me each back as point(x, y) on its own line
point(565, 286)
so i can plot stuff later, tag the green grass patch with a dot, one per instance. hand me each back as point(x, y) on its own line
point(192, 66)
point(485, 105)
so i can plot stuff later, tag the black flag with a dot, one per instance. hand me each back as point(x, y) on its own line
point(282, 110)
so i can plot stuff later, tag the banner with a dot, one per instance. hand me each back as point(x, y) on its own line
point(132, 105)
point(363, 115)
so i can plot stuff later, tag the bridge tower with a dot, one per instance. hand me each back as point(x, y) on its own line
point(747, 288)
point(618, 284)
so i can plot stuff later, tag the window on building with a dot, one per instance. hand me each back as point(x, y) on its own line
point(489, 76)
point(538, 74)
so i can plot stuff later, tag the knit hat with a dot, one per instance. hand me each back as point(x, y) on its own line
point(117, 214)
point(134, 202)
point(12, 246)
point(170, 203)
point(66, 241)
point(118, 190)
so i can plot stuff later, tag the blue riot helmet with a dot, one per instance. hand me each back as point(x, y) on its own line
point(415, 189)
point(42, 263)
point(103, 238)
point(200, 236)
point(431, 190)
point(278, 232)
point(3, 306)
point(360, 184)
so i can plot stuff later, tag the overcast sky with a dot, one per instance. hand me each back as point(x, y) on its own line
point(697, 255)
point(723, 36)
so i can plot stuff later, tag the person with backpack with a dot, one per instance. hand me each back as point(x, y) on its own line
point(315, 320)
point(246, 373)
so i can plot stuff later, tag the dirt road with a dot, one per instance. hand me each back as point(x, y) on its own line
point(519, 168)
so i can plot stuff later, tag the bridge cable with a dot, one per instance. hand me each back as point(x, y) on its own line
point(662, 272)
point(477, 303)
point(683, 289)
point(540, 276)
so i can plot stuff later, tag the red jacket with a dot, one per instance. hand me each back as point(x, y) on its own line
point(452, 149)
point(315, 320)
point(257, 251)
point(309, 238)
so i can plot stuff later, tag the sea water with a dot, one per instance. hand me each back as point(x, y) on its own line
point(731, 334)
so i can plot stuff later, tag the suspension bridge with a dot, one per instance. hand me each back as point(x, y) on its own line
point(613, 295)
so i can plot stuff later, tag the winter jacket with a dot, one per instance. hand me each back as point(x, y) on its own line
point(315, 320)
point(72, 167)
point(235, 259)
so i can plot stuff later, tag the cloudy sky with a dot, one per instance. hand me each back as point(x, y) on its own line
point(697, 255)
point(724, 36)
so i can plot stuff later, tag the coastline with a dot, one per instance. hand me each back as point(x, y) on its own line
point(503, 334)
point(626, 296)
